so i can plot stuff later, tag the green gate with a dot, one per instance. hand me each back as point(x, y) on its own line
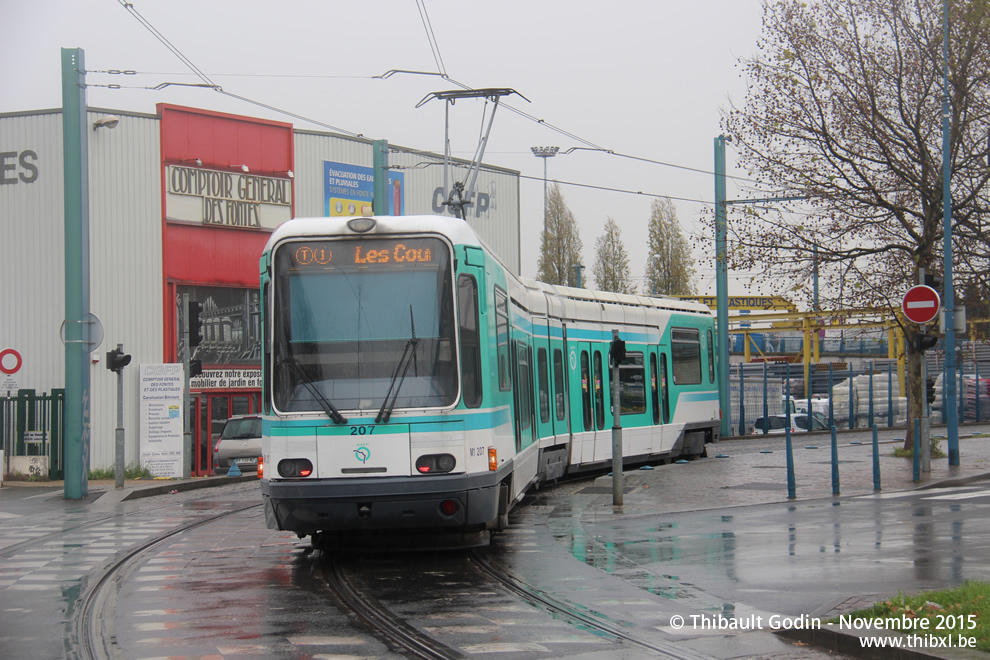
point(32, 425)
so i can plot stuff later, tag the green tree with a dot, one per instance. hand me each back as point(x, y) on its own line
point(611, 267)
point(560, 245)
point(670, 266)
point(844, 106)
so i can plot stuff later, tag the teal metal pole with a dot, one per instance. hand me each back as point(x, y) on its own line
point(380, 169)
point(835, 462)
point(791, 481)
point(742, 402)
point(75, 148)
point(876, 459)
point(722, 284)
point(948, 298)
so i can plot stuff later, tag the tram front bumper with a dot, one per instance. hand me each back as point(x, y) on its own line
point(308, 506)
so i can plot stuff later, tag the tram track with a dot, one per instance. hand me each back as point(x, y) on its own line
point(373, 614)
point(91, 634)
point(573, 613)
point(347, 580)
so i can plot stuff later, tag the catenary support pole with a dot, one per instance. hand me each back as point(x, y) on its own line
point(722, 284)
point(75, 149)
point(948, 298)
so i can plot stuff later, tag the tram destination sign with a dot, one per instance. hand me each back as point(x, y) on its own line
point(921, 304)
point(371, 253)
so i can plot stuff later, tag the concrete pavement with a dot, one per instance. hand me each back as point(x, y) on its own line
point(740, 472)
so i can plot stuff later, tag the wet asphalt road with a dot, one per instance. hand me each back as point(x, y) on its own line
point(698, 539)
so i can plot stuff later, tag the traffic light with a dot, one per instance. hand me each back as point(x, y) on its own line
point(618, 351)
point(934, 281)
point(195, 325)
point(195, 368)
point(923, 342)
point(116, 360)
point(930, 390)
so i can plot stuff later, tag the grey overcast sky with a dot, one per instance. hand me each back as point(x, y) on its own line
point(646, 78)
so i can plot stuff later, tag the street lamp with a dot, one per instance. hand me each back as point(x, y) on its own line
point(544, 153)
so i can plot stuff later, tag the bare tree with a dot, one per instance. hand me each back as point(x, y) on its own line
point(670, 266)
point(844, 106)
point(611, 267)
point(560, 246)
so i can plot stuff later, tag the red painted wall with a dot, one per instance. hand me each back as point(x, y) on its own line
point(199, 255)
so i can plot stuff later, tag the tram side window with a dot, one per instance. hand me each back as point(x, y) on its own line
point(664, 389)
point(685, 351)
point(599, 393)
point(525, 387)
point(467, 303)
point(558, 384)
point(502, 340)
point(711, 357)
point(632, 385)
point(586, 390)
point(544, 384)
point(654, 391)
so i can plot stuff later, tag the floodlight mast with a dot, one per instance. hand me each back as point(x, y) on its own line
point(460, 195)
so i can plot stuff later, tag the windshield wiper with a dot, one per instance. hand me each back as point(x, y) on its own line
point(407, 354)
point(324, 402)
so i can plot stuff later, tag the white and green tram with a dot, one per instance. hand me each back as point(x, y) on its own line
point(411, 383)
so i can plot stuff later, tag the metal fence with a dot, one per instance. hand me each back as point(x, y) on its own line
point(848, 396)
point(31, 425)
point(771, 343)
point(834, 394)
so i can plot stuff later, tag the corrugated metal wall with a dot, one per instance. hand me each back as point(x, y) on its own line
point(31, 248)
point(311, 150)
point(125, 261)
point(125, 245)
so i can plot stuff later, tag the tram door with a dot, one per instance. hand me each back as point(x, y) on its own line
point(212, 412)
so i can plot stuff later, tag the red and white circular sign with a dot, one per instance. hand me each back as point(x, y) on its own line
point(10, 361)
point(921, 304)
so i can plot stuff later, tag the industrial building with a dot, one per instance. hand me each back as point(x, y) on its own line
point(181, 203)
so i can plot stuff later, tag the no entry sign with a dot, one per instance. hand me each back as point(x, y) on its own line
point(921, 304)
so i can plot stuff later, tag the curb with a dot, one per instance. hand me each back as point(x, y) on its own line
point(113, 496)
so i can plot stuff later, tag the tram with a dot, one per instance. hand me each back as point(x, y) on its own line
point(411, 383)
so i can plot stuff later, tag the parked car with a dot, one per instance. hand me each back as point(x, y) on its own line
point(240, 442)
point(799, 422)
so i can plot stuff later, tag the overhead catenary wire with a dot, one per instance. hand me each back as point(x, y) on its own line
point(434, 45)
point(424, 16)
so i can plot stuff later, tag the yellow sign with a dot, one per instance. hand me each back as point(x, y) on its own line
point(746, 302)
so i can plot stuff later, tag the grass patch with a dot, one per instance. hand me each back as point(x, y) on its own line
point(964, 610)
point(20, 476)
point(132, 472)
point(937, 452)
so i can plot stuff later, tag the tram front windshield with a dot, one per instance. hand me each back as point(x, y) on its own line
point(355, 320)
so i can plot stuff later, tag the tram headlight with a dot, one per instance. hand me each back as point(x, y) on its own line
point(435, 463)
point(295, 467)
point(361, 225)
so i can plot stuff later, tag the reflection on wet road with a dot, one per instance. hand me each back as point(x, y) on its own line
point(787, 558)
